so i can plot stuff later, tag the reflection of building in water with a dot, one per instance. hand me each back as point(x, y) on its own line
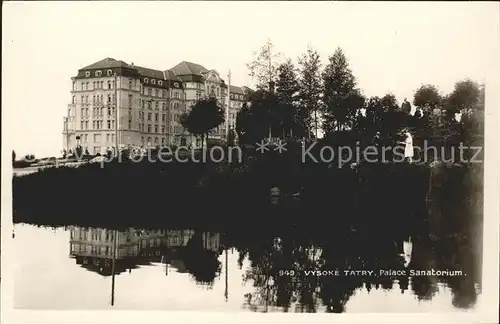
point(93, 247)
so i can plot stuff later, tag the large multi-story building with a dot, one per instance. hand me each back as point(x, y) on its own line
point(150, 103)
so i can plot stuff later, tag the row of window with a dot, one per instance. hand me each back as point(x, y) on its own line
point(153, 141)
point(97, 112)
point(96, 99)
point(161, 94)
point(212, 90)
point(98, 73)
point(96, 85)
point(150, 116)
point(150, 128)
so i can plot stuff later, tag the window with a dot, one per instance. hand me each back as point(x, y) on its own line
point(110, 72)
point(130, 100)
point(153, 81)
point(157, 105)
point(109, 84)
point(156, 128)
point(149, 131)
point(163, 141)
point(142, 104)
point(86, 127)
point(163, 129)
point(97, 149)
point(149, 116)
point(149, 140)
point(164, 94)
point(156, 140)
point(163, 117)
point(160, 82)
point(73, 100)
point(98, 73)
point(102, 84)
point(163, 105)
point(156, 117)
point(109, 124)
point(150, 92)
point(129, 84)
point(145, 80)
point(149, 104)
point(129, 124)
point(87, 74)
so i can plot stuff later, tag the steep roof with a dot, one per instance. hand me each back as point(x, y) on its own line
point(188, 68)
point(170, 75)
point(106, 63)
point(150, 73)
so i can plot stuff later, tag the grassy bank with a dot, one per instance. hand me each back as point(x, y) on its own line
point(219, 196)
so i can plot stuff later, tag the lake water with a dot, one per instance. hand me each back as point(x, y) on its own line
point(71, 268)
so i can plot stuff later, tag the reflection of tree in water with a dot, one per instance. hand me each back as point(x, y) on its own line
point(345, 249)
point(201, 263)
point(458, 245)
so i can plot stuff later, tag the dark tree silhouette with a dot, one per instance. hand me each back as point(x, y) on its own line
point(204, 116)
point(309, 91)
point(339, 86)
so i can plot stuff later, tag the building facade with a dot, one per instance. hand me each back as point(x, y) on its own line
point(113, 101)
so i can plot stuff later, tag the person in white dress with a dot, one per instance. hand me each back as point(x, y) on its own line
point(408, 147)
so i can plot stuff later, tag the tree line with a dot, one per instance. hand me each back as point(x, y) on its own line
point(296, 101)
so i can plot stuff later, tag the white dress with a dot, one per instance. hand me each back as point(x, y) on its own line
point(409, 146)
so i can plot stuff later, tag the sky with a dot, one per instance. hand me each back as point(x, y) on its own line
point(391, 47)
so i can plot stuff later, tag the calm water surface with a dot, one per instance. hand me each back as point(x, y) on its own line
point(71, 268)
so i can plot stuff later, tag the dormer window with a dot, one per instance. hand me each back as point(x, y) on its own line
point(160, 83)
point(110, 72)
point(153, 81)
point(241, 97)
point(98, 73)
point(87, 74)
point(176, 84)
point(145, 80)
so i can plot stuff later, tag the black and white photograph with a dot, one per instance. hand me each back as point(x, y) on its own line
point(250, 159)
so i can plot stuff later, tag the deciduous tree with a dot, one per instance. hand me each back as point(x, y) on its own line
point(427, 97)
point(309, 89)
point(286, 92)
point(204, 116)
point(339, 91)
